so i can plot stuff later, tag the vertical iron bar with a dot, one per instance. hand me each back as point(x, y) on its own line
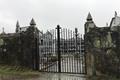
point(79, 54)
point(62, 69)
point(85, 55)
point(61, 49)
point(58, 44)
point(44, 52)
point(76, 60)
point(82, 57)
point(72, 49)
point(74, 68)
point(67, 50)
point(47, 52)
point(64, 49)
point(46, 60)
point(56, 67)
point(53, 47)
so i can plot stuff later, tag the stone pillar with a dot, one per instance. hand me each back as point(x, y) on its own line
point(90, 63)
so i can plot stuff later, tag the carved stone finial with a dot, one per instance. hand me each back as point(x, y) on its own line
point(32, 22)
point(89, 17)
point(3, 30)
point(106, 24)
point(17, 24)
point(115, 13)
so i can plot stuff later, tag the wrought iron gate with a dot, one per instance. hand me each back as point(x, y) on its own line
point(62, 50)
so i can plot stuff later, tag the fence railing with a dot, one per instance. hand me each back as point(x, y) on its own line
point(62, 50)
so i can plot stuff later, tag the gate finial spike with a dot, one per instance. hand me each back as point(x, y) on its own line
point(58, 27)
point(76, 30)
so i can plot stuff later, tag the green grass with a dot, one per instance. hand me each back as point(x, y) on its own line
point(16, 70)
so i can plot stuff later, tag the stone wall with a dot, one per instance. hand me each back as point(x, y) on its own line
point(102, 47)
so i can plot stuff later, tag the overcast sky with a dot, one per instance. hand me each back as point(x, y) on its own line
point(49, 13)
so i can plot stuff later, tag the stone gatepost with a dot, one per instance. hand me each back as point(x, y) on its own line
point(90, 63)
